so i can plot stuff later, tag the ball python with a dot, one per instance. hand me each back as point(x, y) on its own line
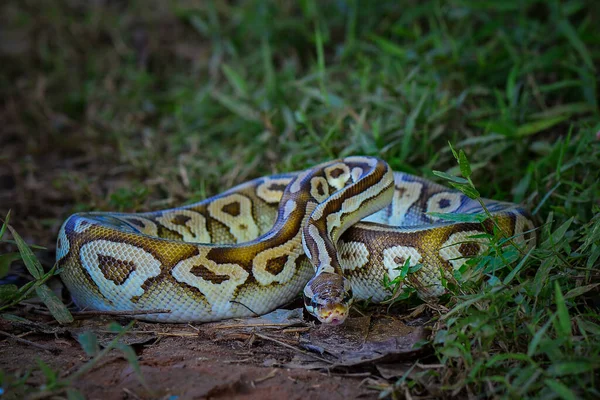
point(331, 232)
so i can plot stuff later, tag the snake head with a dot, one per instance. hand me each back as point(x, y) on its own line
point(328, 297)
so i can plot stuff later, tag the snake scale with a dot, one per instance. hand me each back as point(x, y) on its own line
point(332, 232)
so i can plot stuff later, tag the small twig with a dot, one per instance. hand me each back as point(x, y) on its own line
point(177, 334)
point(430, 366)
point(125, 312)
point(268, 376)
point(351, 374)
point(279, 342)
point(53, 350)
point(245, 306)
point(131, 394)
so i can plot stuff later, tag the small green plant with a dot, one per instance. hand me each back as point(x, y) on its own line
point(11, 295)
point(398, 287)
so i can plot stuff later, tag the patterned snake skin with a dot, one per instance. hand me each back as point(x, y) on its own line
point(331, 232)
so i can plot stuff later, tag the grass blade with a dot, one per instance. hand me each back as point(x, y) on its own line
point(55, 306)
point(31, 262)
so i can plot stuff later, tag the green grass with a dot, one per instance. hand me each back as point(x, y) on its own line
point(143, 105)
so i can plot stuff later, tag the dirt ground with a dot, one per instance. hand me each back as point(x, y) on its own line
point(282, 355)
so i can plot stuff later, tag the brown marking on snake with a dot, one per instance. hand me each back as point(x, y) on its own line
point(180, 219)
point(233, 209)
point(114, 269)
point(320, 189)
point(469, 249)
point(399, 260)
point(336, 173)
point(275, 265)
point(277, 187)
point(202, 272)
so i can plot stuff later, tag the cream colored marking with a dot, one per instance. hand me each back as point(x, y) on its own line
point(63, 245)
point(264, 192)
point(370, 192)
point(350, 205)
point(523, 225)
point(298, 182)
point(146, 266)
point(323, 258)
point(392, 255)
point(405, 195)
point(242, 227)
point(340, 181)
point(82, 225)
point(194, 229)
point(314, 188)
point(449, 250)
point(149, 228)
point(289, 208)
point(219, 295)
point(291, 249)
point(433, 204)
point(356, 173)
point(359, 255)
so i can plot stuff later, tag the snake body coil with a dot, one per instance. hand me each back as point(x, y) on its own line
point(253, 247)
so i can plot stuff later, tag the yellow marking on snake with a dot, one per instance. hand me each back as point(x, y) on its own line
point(99, 255)
point(190, 225)
point(235, 212)
point(216, 282)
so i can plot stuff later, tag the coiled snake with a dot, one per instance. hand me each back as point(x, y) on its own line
point(253, 247)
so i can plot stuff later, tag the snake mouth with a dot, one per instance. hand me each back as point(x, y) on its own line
point(334, 314)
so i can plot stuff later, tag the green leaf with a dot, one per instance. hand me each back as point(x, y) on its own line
point(5, 261)
point(564, 322)
point(237, 107)
point(388, 46)
point(518, 268)
point(537, 338)
point(132, 359)
point(469, 191)
point(31, 262)
point(534, 127)
point(235, 80)
point(50, 375)
point(404, 269)
point(563, 368)
point(463, 163)
point(58, 310)
point(4, 224)
point(559, 233)
point(89, 343)
point(453, 151)
point(560, 389)
point(451, 178)
point(116, 327)
point(415, 268)
point(8, 292)
point(578, 291)
point(571, 34)
point(478, 218)
point(74, 394)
